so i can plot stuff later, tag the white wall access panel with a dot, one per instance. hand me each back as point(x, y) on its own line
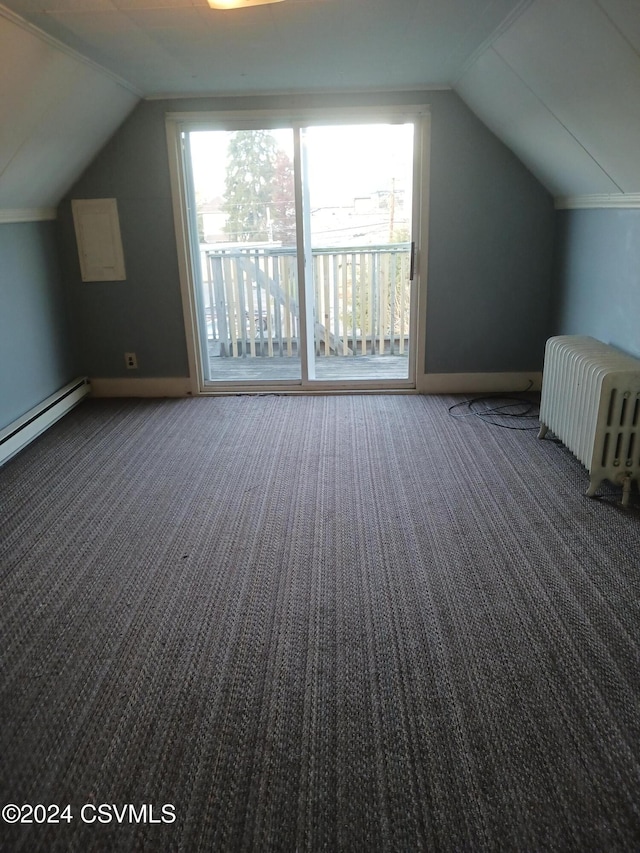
point(98, 237)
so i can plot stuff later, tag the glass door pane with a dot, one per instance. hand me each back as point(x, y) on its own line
point(357, 183)
point(243, 188)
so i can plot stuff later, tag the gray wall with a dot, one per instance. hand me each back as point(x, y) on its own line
point(491, 251)
point(144, 313)
point(37, 355)
point(490, 248)
point(599, 276)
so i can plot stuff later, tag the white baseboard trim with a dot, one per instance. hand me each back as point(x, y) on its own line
point(478, 383)
point(154, 387)
point(428, 383)
point(25, 429)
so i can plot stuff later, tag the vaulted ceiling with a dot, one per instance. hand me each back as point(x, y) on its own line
point(557, 80)
point(183, 46)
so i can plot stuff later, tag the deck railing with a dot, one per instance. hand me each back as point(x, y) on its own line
point(362, 300)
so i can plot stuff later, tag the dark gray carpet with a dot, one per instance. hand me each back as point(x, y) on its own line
point(330, 623)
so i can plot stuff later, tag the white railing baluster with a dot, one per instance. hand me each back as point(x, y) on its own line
point(354, 310)
point(392, 304)
point(325, 321)
point(343, 286)
point(336, 302)
point(361, 300)
point(404, 263)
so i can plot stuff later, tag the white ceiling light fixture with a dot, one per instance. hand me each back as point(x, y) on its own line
point(238, 4)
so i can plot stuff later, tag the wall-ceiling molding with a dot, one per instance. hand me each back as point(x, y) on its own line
point(28, 214)
point(306, 95)
point(577, 202)
point(63, 48)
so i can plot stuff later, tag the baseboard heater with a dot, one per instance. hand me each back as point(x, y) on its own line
point(22, 431)
point(591, 402)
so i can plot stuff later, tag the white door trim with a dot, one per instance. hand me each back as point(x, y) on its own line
point(179, 122)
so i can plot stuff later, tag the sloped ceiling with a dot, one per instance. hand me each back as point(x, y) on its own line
point(56, 111)
point(561, 86)
point(557, 80)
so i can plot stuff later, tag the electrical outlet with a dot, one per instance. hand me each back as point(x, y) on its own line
point(131, 360)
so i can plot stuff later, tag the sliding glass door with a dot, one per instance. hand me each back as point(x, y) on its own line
point(301, 241)
point(358, 183)
point(243, 189)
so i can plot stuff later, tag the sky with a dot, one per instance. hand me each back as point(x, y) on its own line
point(345, 162)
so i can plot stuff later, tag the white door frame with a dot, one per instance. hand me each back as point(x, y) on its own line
point(179, 122)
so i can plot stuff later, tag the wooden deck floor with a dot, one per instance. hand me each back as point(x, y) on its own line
point(331, 369)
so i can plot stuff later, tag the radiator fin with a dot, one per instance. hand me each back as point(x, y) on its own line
point(591, 401)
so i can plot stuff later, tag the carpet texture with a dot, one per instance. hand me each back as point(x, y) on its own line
point(316, 623)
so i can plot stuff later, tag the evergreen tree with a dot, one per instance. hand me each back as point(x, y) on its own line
point(251, 167)
point(284, 206)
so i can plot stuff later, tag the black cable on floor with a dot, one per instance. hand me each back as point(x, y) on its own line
point(490, 406)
